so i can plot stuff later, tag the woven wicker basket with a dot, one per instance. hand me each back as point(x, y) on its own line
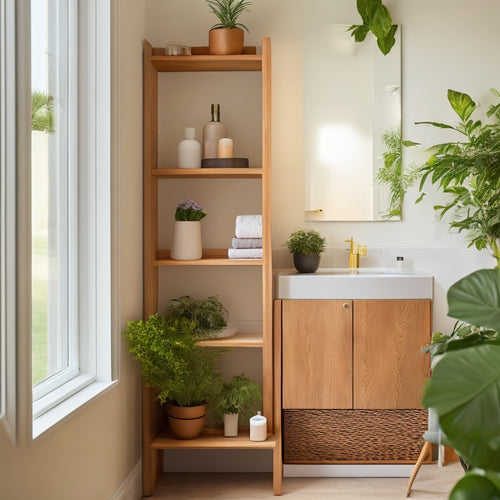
point(353, 436)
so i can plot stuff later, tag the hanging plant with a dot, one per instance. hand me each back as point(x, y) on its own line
point(377, 19)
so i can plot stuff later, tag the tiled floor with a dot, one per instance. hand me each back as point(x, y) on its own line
point(432, 482)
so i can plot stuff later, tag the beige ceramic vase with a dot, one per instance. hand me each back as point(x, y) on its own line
point(186, 241)
point(225, 41)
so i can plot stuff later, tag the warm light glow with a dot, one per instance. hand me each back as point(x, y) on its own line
point(338, 146)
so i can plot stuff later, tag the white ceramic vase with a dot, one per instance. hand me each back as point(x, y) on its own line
point(231, 424)
point(186, 241)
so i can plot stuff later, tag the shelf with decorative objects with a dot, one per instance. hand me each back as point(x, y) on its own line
point(156, 435)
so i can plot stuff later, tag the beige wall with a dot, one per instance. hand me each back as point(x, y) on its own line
point(91, 453)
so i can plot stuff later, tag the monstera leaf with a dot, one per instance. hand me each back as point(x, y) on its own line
point(465, 386)
point(475, 486)
point(475, 299)
point(465, 392)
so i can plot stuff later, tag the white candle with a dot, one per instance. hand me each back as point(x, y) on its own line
point(225, 148)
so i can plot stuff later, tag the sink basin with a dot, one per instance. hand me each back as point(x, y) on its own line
point(366, 283)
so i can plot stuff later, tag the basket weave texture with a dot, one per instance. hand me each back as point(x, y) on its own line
point(353, 436)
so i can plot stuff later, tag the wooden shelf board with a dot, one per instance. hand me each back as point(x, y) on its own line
point(208, 173)
point(253, 339)
point(213, 439)
point(206, 62)
point(210, 257)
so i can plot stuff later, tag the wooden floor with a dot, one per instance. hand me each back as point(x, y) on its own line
point(433, 483)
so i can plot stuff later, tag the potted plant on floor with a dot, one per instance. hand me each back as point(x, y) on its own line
point(184, 373)
point(226, 37)
point(306, 247)
point(464, 389)
point(236, 398)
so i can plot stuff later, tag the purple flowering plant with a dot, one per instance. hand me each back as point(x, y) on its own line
point(189, 210)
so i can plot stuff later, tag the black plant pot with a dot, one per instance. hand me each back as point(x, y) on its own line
point(306, 263)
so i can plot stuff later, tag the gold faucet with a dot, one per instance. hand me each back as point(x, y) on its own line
point(355, 250)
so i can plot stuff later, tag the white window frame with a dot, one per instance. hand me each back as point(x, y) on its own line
point(8, 375)
point(95, 372)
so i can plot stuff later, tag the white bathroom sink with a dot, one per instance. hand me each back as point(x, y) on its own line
point(366, 283)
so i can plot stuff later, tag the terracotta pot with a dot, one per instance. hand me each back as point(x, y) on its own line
point(225, 41)
point(186, 422)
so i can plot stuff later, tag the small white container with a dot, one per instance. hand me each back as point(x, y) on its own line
point(189, 150)
point(258, 428)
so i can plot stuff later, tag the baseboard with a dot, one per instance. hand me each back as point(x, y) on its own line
point(131, 488)
point(328, 470)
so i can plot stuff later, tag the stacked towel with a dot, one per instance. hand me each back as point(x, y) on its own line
point(245, 253)
point(248, 241)
point(248, 226)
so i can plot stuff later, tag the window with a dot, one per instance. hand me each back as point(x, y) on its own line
point(70, 216)
point(68, 227)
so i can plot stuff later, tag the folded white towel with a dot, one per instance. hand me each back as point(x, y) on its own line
point(247, 243)
point(248, 226)
point(245, 253)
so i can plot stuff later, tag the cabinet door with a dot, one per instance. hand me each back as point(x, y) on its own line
point(317, 354)
point(389, 366)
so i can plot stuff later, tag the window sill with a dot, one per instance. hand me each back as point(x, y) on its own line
point(65, 408)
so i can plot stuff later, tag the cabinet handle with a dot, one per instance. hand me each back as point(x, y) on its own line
point(346, 305)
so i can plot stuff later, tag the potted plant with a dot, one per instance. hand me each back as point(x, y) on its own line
point(226, 37)
point(208, 315)
point(235, 399)
point(306, 247)
point(186, 240)
point(469, 172)
point(464, 389)
point(184, 373)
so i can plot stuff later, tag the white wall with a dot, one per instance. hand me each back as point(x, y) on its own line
point(96, 452)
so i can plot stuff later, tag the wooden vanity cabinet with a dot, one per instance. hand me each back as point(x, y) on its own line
point(352, 379)
point(317, 354)
point(389, 367)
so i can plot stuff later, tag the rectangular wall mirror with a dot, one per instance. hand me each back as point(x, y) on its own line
point(352, 121)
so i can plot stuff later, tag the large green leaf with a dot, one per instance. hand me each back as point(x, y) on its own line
point(462, 104)
point(474, 486)
point(464, 390)
point(475, 299)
